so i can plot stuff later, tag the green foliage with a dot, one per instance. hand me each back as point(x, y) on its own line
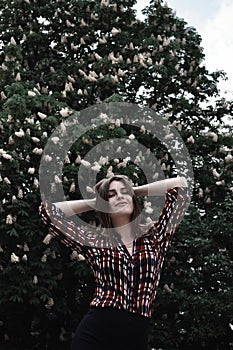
point(57, 58)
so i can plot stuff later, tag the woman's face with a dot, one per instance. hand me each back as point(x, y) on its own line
point(120, 200)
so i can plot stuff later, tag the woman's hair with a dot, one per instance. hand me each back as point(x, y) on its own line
point(102, 193)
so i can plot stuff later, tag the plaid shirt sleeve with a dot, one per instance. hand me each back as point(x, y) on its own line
point(60, 226)
point(177, 201)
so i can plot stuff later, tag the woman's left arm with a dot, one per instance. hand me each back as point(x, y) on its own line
point(160, 188)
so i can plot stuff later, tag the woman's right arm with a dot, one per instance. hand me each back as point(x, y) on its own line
point(55, 217)
point(78, 206)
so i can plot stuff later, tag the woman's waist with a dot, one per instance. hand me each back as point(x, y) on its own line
point(119, 314)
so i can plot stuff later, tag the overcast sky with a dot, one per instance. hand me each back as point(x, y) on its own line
point(213, 21)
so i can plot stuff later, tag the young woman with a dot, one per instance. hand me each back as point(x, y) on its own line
point(125, 258)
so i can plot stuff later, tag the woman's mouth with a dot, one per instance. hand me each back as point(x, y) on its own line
point(120, 204)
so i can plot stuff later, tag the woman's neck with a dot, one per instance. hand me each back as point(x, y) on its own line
point(125, 232)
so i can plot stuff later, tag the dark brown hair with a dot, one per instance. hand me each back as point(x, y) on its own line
point(102, 188)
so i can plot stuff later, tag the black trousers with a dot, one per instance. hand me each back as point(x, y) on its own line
point(111, 329)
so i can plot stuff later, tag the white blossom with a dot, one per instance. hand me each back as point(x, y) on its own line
point(85, 163)
point(200, 192)
point(103, 160)
point(18, 77)
point(7, 181)
point(65, 112)
point(220, 183)
point(115, 31)
point(37, 151)
point(213, 135)
point(12, 41)
point(3, 96)
point(104, 3)
point(168, 136)
point(14, 199)
point(42, 115)
point(25, 247)
point(167, 289)
point(9, 219)
point(190, 139)
point(81, 257)
point(69, 24)
point(48, 158)
point(98, 57)
point(163, 167)
point(148, 220)
point(216, 174)
point(109, 172)
point(102, 41)
point(53, 188)
point(131, 137)
point(122, 164)
point(43, 258)
point(143, 129)
point(11, 140)
point(35, 183)
point(72, 187)
point(35, 280)
point(31, 171)
point(24, 257)
point(4, 67)
point(149, 210)
point(82, 41)
point(2, 151)
point(67, 159)
point(75, 256)
point(30, 121)
point(229, 158)
point(47, 239)
point(7, 156)
point(57, 179)
point(73, 47)
point(83, 23)
point(78, 159)
point(20, 193)
point(14, 258)
point(19, 133)
point(50, 303)
point(31, 93)
point(71, 79)
point(96, 167)
point(55, 139)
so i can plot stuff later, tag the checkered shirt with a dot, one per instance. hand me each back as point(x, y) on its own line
point(123, 280)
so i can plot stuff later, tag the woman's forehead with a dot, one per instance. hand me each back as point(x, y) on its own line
point(116, 185)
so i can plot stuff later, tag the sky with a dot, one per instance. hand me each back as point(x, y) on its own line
point(213, 22)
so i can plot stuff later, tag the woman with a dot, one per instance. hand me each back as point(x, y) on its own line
point(126, 260)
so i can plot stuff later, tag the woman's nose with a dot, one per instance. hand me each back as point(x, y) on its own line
point(119, 195)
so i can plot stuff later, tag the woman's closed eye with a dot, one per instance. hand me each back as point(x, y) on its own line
point(114, 193)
